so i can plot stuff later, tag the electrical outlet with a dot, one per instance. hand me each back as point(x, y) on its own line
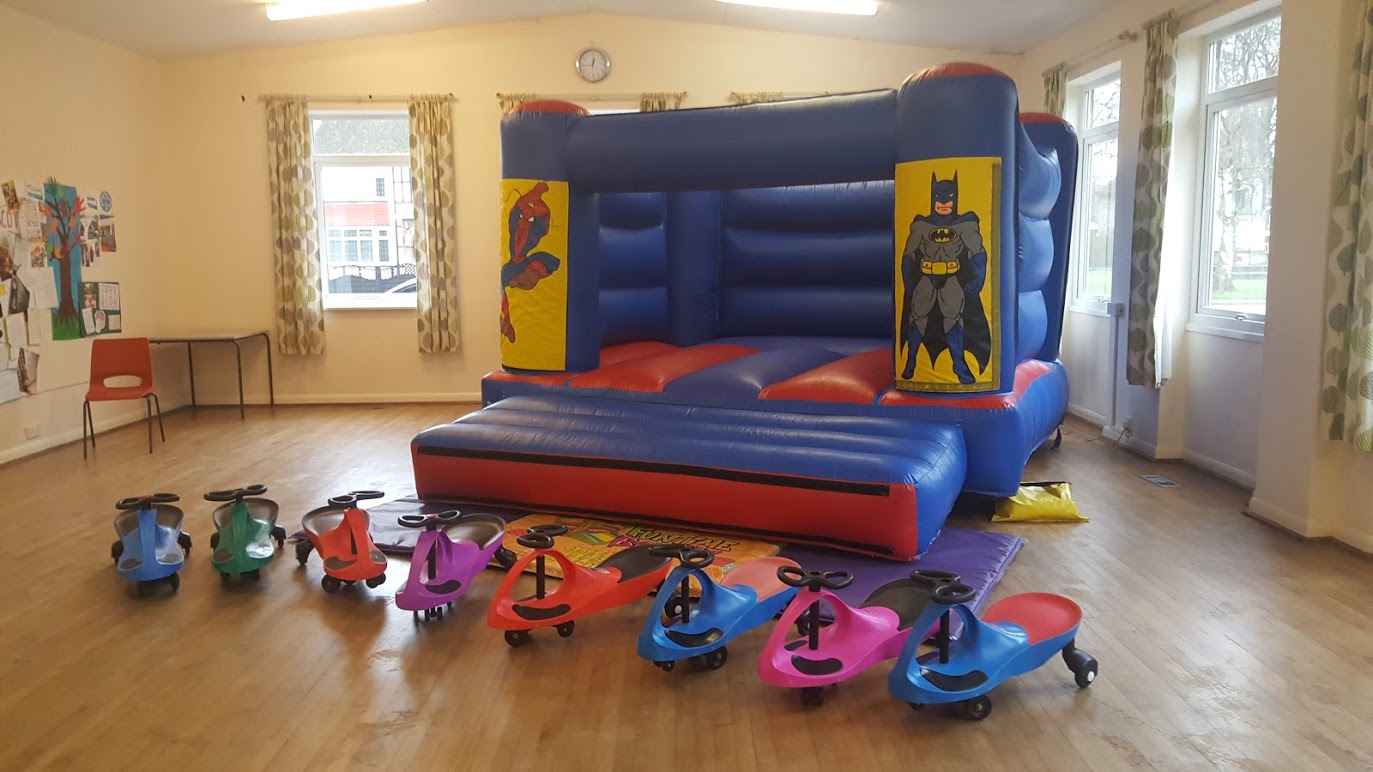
point(32, 432)
point(1129, 426)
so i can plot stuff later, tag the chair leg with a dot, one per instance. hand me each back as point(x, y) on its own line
point(85, 419)
point(148, 403)
point(157, 402)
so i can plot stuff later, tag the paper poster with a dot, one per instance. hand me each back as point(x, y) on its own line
point(11, 355)
point(107, 239)
point(9, 385)
point(41, 286)
point(109, 296)
point(8, 263)
point(98, 300)
point(30, 219)
point(88, 321)
point(40, 328)
point(89, 233)
point(10, 194)
point(17, 299)
point(37, 252)
point(17, 330)
point(115, 322)
point(62, 209)
point(28, 371)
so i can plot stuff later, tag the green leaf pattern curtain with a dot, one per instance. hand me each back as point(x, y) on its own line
point(295, 248)
point(657, 101)
point(1053, 91)
point(1142, 365)
point(1347, 372)
point(436, 249)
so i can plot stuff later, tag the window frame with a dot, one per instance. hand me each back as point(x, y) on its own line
point(1205, 317)
point(1086, 138)
point(359, 300)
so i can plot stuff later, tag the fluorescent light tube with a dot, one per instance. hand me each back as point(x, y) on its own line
point(300, 9)
point(852, 7)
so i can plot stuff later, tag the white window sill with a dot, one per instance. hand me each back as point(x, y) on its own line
point(1095, 309)
point(1253, 331)
point(397, 301)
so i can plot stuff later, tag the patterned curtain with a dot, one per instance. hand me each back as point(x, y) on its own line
point(511, 101)
point(1053, 90)
point(295, 249)
point(436, 232)
point(754, 97)
point(1142, 365)
point(657, 101)
point(1347, 375)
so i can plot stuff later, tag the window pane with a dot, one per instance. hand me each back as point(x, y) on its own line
point(384, 251)
point(1103, 104)
point(380, 134)
point(1245, 56)
point(1094, 277)
point(351, 251)
point(335, 251)
point(1241, 200)
point(381, 188)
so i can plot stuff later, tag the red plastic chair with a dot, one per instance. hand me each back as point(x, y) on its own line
point(114, 358)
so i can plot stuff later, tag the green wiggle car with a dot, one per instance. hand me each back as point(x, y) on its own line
point(245, 527)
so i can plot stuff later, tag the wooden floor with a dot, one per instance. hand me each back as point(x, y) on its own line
point(1223, 642)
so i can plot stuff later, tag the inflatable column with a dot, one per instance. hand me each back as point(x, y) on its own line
point(955, 232)
point(549, 274)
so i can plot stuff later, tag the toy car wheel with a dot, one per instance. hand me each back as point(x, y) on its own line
point(116, 550)
point(516, 638)
point(255, 574)
point(214, 541)
point(175, 581)
point(565, 629)
point(279, 534)
point(714, 660)
point(303, 552)
point(377, 581)
point(977, 708)
point(223, 579)
point(505, 558)
point(142, 589)
point(330, 584)
point(916, 706)
point(1084, 667)
point(812, 696)
point(667, 665)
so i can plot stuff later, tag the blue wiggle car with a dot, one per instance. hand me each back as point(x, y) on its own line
point(151, 547)
point(750, 595)
point(1016, 635)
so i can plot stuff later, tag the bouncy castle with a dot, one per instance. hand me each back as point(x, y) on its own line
point(813, 321)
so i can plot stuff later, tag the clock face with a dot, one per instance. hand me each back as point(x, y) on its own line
point(593, 65)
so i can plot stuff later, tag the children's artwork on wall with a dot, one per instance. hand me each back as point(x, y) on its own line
point(17, 297)
point(7, 252)
point(40, 328)
point(948, 325)
point(100, 311)
point(30, 219)
point(28, 371)
point(17, 331)
point(41, 285)
point(9, 386)
point(107, 239)
point(89, 234)
point(62, 210)
point(10, 195)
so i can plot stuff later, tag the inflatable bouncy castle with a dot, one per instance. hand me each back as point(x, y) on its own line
point(813, 321)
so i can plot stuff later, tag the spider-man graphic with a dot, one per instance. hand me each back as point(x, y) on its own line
point(527, 225)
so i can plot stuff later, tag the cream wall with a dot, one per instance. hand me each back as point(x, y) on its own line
point(84, 112)
point(219, 154)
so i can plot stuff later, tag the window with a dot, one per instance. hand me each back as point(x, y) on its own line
point(1097, 107)
point(366, 211)
point(1240, 107)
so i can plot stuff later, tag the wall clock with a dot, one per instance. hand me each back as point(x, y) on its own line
point(593, 65)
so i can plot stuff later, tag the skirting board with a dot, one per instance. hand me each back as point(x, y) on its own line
point(1279, 518)
point(1092, 417)
point(1220, 469)
point(33, 447)
point(344, 399)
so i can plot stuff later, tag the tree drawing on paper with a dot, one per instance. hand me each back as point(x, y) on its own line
point(61, 230)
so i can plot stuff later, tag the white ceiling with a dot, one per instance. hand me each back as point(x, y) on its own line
point(173, 28)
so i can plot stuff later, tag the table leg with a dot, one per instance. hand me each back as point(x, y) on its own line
point(271, 386)
point(238, 354)
point(190, 365)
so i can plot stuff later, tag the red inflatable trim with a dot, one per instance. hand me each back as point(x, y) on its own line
point(548, 106)
point(613, 355)
point(545, 379)
point(1040, 118)
point(857, 379)
point(1025, 374)
point(749, 509)
point(651, 373)
point(953, 70)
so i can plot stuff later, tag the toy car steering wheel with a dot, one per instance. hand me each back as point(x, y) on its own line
point(952, 593)
point(236, 494)
point(540, 537)
point(794, 576)
point(429, 521)
point(690, 557)
point(351, 498)
point(144, 502)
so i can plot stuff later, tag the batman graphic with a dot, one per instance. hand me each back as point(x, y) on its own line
point(943, 270)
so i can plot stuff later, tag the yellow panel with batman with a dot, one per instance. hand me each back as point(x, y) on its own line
point(948, 268)
point(534, 274)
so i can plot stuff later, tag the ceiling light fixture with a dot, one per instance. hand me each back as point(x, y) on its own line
point(851, 7)
point(300, 9)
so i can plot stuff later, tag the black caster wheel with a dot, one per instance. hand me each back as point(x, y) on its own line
point(303, 552)
point(223, 580)
point(116, 550)
point(672, 610)
point(279, 534)
point(377, 581)
point(438, 612)
point(812, 696)
point(255, 574)
point(916, 706)
point(516, 638)
point(142, 589)
point(416, 616)
point(184, 540)
point(175, 581)
point(505, 558)
point(214, 541)
point(330, 584)
point(565, 629)
point(976, 708)
point(714, 660)
point(1083, 665)
point(666, 665)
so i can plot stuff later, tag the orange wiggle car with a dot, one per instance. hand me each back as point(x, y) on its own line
point(622, 578)
point(338, 531)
